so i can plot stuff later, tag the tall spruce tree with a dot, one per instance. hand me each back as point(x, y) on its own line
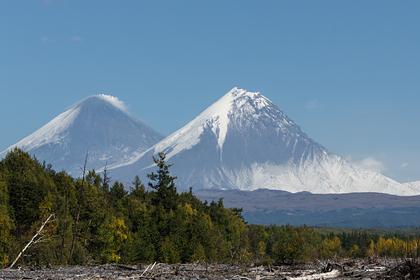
point(164, 184)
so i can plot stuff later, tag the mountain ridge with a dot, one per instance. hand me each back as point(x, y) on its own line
point(353, 210)
point(99, 126)
point(244, 141)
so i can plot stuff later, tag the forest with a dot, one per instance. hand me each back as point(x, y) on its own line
point(97, 221)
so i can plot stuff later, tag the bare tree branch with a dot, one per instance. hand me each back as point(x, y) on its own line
point(32, 240)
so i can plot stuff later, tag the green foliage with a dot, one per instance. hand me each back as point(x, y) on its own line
point(6, 224)
point(28, 183)
point(331, 247)
point(169, 253)
point(113, 234)
point(165, 196)
point(96, 222)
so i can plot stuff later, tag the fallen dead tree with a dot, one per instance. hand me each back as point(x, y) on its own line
point(148, 268)
point(325, 275)
point(344, 269)
point(37, 238)
point(409, 270)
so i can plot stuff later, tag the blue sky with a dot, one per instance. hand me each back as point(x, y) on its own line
point(347, 71)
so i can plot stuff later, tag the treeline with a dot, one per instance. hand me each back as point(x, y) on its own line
point(96, 222)
point(287, 244)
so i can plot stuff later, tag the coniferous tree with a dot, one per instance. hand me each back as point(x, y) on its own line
point(95, 224)
point(164, 184)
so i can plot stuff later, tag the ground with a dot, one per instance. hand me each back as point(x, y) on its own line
point(344, 269)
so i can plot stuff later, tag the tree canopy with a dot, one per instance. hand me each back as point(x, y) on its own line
point(99, 221)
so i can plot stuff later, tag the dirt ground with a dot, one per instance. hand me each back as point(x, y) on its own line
point(345, 269)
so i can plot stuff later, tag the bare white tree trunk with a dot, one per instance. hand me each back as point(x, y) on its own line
point(32, 240)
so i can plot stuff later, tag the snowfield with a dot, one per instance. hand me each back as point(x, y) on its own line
point(244, 141)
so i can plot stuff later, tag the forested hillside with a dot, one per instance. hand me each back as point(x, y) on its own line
point(95, 222)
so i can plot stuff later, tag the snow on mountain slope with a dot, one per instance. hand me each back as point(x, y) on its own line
point(99, 125)
point(244, 141)
point(413, 186)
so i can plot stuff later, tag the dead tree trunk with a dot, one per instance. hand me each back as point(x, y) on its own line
point(75, 230)
point(32, 240)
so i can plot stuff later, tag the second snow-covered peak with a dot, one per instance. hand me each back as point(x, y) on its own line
point(216, 117)
point(239, 109)
point(235, 100)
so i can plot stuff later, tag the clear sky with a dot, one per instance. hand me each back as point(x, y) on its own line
point(347, 71)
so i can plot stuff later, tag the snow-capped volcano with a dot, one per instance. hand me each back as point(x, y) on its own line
point(98, 125)
point(244, 141)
